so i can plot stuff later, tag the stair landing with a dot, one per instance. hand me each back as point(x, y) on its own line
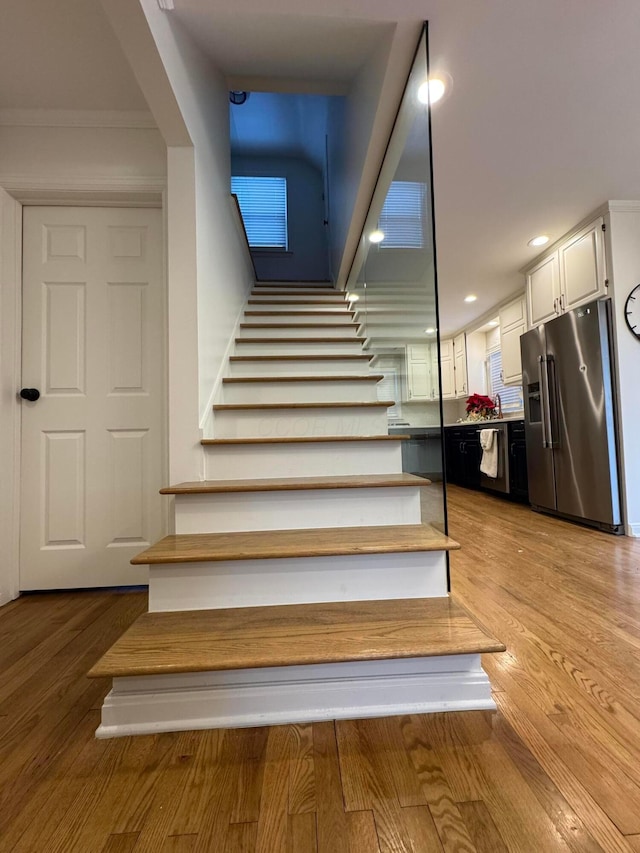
point(256, 637)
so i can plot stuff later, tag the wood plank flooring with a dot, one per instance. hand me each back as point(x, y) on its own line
point(556, 768)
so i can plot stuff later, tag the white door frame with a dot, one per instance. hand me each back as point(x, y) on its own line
point(82, 193)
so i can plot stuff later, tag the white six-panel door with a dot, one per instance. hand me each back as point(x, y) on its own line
point(92, 445)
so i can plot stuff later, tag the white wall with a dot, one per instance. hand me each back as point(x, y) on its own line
point(10, 216)
point(42, 155)
point(223, 275)
point(624, 257)
point(307, 256)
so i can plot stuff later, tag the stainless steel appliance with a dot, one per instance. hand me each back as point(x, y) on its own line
point(570, 417)
point(501, 482)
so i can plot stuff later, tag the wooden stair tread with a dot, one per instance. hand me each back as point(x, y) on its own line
point(245, 407)
point(294, 635)
point(340, 313)
point(314, 542)
point(314, 377)
point(298, 325)
point(353, 481)
point(302, 439)
point(302, 291)
point(264, 300)
point(354, 339)
point(316, 357)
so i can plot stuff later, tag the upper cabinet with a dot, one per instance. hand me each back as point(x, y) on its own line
point(460, 365)
point(570, 275)
point(513, 324)
point(447, 369)
point(422, 383)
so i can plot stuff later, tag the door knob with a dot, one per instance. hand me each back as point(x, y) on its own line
point(30, 394)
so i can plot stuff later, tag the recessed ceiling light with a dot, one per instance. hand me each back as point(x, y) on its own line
point(492, 323)
point(353, 297)
point(470, 298)
point(376, 236)
point(538, 241)
point(430, 331)
point(431, 90)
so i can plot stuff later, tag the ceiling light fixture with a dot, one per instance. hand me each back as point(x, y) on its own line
point(376, 236)
point(492, 323)
point(431, 90)
point(539, 241)
point(430, 331)
point(470, 298)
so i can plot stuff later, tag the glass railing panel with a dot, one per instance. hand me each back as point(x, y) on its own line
point(393, 288)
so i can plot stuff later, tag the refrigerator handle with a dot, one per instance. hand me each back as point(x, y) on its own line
point(550, 393)
point(544, 399)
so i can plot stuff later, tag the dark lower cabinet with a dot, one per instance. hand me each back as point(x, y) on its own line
point(463, 455)
point(518, 478)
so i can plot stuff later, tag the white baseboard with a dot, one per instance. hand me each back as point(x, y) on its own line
point(633, 530)
point(296, 694)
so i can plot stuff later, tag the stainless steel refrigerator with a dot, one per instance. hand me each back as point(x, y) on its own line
point(570, 417)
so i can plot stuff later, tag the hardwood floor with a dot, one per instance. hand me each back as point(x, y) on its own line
point(556, 768)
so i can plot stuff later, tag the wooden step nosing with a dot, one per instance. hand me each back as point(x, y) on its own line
point(339, 404)
point(299, 314)
point(350, 326)
point(313, 377)
point(283, 544)
point(302, 439)
point(344, 340)
point(298, 634)
point(306, 356)
point(295, 484)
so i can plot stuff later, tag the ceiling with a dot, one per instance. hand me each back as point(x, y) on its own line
point(541, 126)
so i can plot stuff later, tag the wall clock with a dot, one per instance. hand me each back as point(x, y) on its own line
point(632, 311)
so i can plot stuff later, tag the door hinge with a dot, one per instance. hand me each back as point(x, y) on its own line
point(604, 226)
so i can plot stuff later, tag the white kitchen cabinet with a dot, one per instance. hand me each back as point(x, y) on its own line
point(447, 369)
point(460, 366)
point(513, 324)
point(543, 290)
point(570, 275)
point(582, 267)
point(420, 381)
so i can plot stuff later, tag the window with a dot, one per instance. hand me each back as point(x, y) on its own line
point(510, 395)
point(402, 217)
point(263, 204)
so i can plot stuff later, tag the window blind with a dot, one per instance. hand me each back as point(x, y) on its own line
point(510, 395)
point(402, 216)
point(263, 204)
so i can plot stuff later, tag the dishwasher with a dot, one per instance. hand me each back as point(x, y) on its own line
point(501, 482)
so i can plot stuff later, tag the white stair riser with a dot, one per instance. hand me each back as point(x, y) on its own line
point(296, 510)
point(294, 694)
point(363, 391)
point(296, 580)
point(349, 331)
point(272, 305)
point(311, 459)
point(300, 367)
point(299, 423)
point(306, 347)
point(293, 320)
point(325, 298)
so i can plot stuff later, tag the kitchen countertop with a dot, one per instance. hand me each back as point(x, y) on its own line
point(412, 430)
point(506, 419)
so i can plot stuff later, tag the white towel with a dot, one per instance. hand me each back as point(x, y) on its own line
point(489, 445)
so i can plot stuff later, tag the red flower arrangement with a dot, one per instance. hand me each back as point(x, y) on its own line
point(479, 404)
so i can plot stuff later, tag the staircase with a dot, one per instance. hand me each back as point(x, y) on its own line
point(301, 583)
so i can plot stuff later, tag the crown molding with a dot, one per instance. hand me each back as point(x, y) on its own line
point(77, 118)
point(623, 206)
